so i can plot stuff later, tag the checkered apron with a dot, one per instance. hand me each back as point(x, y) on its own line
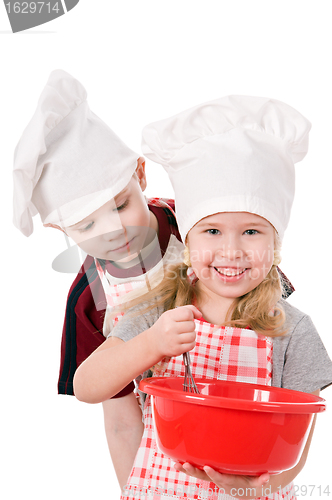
point(118, 291)
point(222, 353)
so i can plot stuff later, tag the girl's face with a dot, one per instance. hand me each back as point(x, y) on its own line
point(231, 252)
point(118, 230)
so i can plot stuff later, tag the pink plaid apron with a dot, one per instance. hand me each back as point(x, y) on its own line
point(222, 353)
point(115, 290)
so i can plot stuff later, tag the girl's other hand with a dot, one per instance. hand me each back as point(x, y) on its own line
point(231, 484)
point(174, 332)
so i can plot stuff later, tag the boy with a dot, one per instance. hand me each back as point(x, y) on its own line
point(83, 180)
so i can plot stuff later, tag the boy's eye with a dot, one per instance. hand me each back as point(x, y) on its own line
point(86, 228)
point(213, 231)
point(121, 207)
point(251, 231)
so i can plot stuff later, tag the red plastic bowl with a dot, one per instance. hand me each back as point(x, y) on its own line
point(235, 428)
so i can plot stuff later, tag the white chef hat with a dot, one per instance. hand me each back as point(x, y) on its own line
point(234, 154)
point(68, 162)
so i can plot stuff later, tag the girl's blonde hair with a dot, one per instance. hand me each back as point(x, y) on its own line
point(258, 309)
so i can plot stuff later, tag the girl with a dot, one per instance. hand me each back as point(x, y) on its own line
point(235, 158)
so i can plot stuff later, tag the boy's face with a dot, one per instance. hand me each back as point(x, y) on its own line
point(118, 230)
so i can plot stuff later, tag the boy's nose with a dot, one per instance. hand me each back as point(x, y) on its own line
point(112, 227)
point(114, 234)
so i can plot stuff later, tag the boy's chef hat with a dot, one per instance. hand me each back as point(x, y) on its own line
point(68, 162)
point(234, 154)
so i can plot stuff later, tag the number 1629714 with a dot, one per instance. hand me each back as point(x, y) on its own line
point(32, 7)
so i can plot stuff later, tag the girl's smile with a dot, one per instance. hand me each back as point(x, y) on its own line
point(229, 274)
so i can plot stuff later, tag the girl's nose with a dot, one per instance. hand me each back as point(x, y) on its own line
point(231, 249)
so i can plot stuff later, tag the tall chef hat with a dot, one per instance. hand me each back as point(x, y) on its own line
point(68, 162)
point(234, 154)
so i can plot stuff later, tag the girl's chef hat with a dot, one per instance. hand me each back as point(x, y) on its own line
point(68, 162)
point(234, 154)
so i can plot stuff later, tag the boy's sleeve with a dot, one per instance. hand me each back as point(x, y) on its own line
point(82, 329)
point(171, 203)
point(287, 286)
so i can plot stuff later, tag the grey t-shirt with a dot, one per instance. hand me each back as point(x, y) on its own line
point(300, 360)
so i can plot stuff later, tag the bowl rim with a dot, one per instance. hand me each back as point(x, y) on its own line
point(313, 404)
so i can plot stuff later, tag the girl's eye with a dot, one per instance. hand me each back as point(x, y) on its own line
point(251, 231)
point(86, 228)
point(213, 231)
point(121, 207)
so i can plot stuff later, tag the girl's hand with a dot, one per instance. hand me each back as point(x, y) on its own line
point(174, 332)
point(231, 484)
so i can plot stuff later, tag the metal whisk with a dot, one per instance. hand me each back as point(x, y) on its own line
point(189, 384)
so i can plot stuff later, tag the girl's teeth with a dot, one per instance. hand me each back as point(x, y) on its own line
point(229, 272)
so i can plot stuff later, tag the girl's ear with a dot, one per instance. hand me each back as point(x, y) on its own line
point(55, 227)
point(140, 172)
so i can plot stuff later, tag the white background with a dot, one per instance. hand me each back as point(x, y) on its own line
point(143, 60)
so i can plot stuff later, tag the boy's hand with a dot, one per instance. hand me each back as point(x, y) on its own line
point(174, 332)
